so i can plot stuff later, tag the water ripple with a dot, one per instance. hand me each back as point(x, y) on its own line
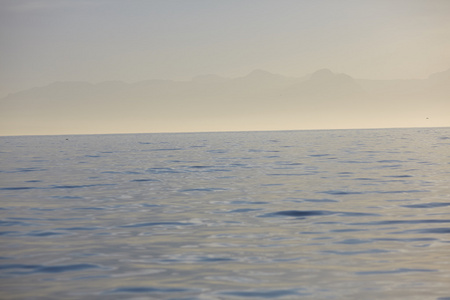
point(443, 230)
point(397, 271)
point(132, 289)
point(399, 222)
point(369, 251)
point(55, 187)
point(309, 213)
point(144, 180)
point(264, 293)
point(202, 190)
point(341, 214)
point(428, 205)
point(31, 269)
point(137, 225)
point(334, 192)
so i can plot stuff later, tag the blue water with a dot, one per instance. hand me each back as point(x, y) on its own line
point(338, 214)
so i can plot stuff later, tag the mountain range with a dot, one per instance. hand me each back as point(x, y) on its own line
point(258, 101)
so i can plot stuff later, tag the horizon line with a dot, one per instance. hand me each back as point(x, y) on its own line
point(225, 131)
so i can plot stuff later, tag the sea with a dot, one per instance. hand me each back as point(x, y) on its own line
point(314, 214)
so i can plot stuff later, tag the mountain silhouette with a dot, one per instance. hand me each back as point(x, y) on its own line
point(259, 100)
point(326, 85)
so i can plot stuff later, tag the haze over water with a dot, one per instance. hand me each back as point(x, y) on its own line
point(112, 66)
point(251, 201)
point(332, 214)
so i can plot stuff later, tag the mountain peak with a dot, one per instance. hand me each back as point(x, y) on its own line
point(259, 72)
point(322, 74)
point(208, 78)
point(443, 76)
point(262, 75)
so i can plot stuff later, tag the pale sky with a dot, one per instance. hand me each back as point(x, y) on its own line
point(43, 41)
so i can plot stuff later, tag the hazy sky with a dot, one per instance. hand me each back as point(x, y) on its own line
point(43, 41)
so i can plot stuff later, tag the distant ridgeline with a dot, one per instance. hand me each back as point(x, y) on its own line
point(258, 101)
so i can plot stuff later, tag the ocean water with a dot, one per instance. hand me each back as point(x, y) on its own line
point(331, 214)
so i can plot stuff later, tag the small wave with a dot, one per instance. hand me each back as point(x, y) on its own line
point(162, 170)
point(17, 188)
point(217, 151)
point(309, 213)
point(320, 200)
point(354, 242)
point(131, 289)
point(166, 149)
point(265, 293)
point(88, 208)
point(242, 210)
point(358, 214)
point(152, 205)
point(15, 223)
point(248, 202)
point(121, 172)
point(444, 230)
point(261, 150)
point(369, 251)
point(195, 259)
point(54, 187)
point(25, 218)
point(401, 270)
point(21, 170)
point(44, 233)
point(203, 190)
point(79, 186)
point(428, 205)
point(408, 240)
point(337, 192)
point(44, 209)
point(144, 180)
point(397, 222)
point(9, 233)
point(402, 192)
point(298, 213)
point(155, 224)
point(391, 166)
point(389, 161)
point(47, 269)
point(206, 169)
point(214, 259)
point(288, 174)
point(200, 167)
point(348, 230)
point(79, 228)
point(67, 197)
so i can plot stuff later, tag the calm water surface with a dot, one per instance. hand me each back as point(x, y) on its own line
point(341, 214)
